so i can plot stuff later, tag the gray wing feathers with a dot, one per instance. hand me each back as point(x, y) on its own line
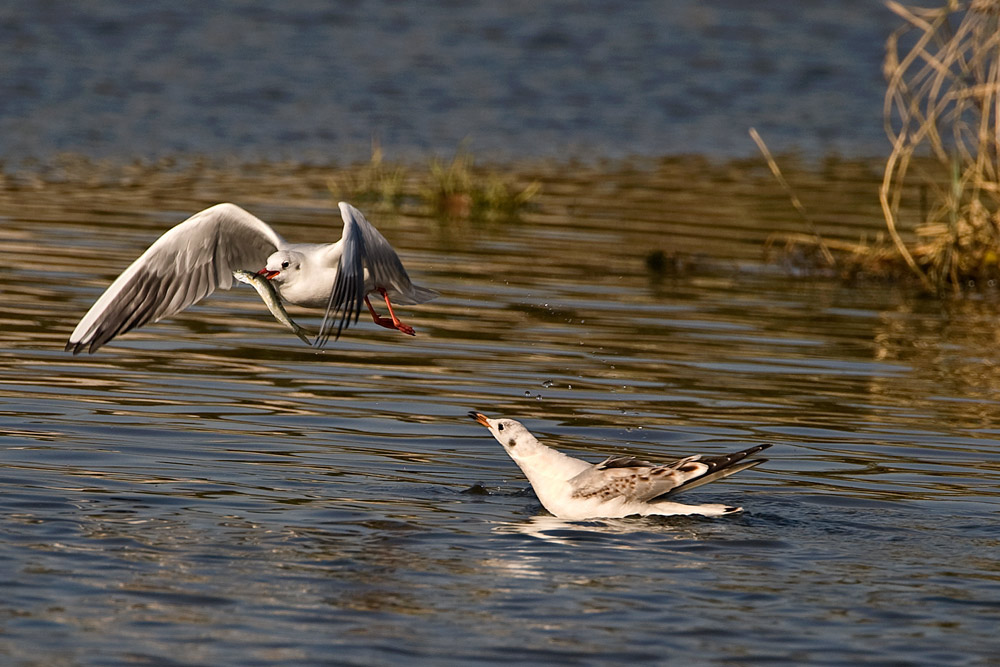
point(383, 263)
point(641, 481)
point(349, 286)
point(638, 483)
point(364, 248)
point(186, 264)
point(623, 462)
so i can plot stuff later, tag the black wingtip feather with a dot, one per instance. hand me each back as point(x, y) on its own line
point(720, 467)
point(720, 462)
point(147, 297)
point(346, 299)
point(347, 295)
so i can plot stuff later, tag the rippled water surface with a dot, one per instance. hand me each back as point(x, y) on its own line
point(209, 491)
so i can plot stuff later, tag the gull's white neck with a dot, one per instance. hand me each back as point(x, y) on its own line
point(549, 472)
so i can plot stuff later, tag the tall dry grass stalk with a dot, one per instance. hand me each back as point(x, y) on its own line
point(941, 108)
point(772, 164)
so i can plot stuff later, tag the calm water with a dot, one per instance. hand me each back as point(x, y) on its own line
point(209, 491)
point(317, 80)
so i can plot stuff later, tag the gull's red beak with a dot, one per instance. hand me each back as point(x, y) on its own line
point(268, 274)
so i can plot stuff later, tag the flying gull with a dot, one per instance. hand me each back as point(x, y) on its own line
point(198, 256)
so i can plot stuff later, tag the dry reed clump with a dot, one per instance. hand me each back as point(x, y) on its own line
point(942, 116)
point(942, 177)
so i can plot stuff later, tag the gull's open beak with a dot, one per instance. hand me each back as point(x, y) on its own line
point(268, 274)
point(481, 418)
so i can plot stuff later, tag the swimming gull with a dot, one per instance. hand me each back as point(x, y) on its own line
point(617, 487)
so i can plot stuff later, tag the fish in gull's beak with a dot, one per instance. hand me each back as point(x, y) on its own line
point(268, 274)
point(479, 417)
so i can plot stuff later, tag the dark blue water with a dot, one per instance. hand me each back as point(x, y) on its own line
point(318, 81)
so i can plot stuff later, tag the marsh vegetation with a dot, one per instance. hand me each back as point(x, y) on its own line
point(940, 189)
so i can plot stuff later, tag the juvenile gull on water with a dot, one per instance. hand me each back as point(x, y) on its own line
point(199, 255)
point(617, 487)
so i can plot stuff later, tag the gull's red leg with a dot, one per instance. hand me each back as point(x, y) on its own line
point(381, 321)
point(408, 330)
point(386, 322)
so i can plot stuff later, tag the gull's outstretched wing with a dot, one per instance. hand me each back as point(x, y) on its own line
point(363, 249)
point(349, 286)
point(383, 264)
point(186, 264)
point(640, 481)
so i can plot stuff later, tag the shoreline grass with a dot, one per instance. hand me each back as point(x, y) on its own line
point(454, 189)
point(942, 176)
point(941, 116)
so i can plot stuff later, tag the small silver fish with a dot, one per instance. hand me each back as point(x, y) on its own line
point(271, 300)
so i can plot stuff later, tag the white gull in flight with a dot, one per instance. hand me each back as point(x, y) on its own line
point(617, 487)
point(198, 256)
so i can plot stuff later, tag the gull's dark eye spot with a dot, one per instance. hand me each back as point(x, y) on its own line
point(499, 427)
point(284, 264)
